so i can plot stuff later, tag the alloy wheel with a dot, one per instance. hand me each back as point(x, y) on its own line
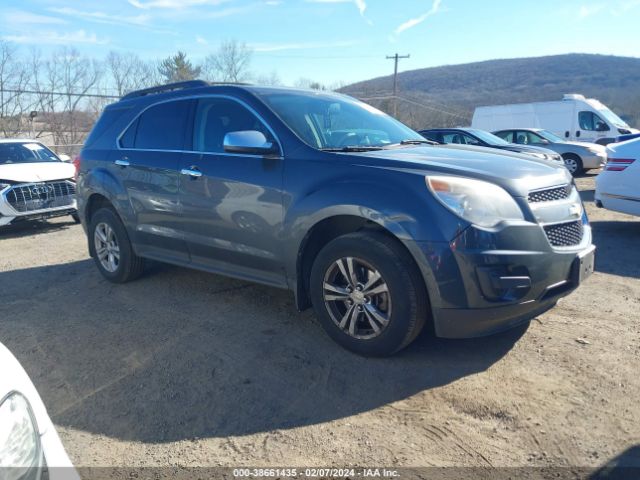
point(107, 249)
point(357, 298)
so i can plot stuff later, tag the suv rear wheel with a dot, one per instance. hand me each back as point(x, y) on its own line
point(368, 294)
point(111, 249)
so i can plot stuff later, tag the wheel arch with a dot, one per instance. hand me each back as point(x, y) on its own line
point(334, 226)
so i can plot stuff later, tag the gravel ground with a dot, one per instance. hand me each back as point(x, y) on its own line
point(183, 368)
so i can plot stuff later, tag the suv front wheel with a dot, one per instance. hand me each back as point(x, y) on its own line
point(111, 249)
point(368, 294)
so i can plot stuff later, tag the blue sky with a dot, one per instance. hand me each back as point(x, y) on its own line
point(329, 40)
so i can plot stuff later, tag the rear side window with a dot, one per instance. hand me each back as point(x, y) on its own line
point(508, 136)
point(161, 127)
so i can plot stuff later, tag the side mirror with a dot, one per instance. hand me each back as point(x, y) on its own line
point(64, 157)
point(250, 142)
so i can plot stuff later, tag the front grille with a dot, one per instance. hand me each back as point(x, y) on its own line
point(550, 194)
point(565, 234)
point(41, 196)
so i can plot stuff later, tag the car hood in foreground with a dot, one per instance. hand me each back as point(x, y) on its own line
point(516, 173)
point(36, 172)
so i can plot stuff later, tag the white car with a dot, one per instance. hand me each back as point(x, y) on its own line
point(34, 183)
point(618, 185)
point(30, 447)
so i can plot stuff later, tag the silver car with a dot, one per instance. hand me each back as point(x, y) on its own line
point(578, 156)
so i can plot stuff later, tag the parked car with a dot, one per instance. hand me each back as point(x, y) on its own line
point(316, 192)
point(617, 186)
point(34, 183)
point(30, 447)
point(573, 118)
point(480, 138)
point(577, 156)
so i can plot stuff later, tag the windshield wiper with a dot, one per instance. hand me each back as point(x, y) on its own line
point(414, 141)
point(352, 148)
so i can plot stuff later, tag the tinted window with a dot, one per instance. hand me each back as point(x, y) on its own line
point(528, 138)
point(592, 122)
point(434, 136)
point(128, 139)
point(215, 117)
point(461, 138)
point(162, 127)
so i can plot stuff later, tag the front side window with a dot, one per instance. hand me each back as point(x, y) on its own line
point(330, 121)
point(591, 122)
point(450, 138)
point(161, 127)
point(25, 152)
point(215, 117)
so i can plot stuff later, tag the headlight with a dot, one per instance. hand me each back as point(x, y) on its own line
point(3, 186)
point(19, 439)
point(480, 203)
point(538, 155)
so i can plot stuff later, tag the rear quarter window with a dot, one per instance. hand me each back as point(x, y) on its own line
point(108, 118)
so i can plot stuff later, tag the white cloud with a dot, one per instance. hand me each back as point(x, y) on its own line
point(20, 17)
point(273, 3)
point(57, 38)
point(588, 10)
point(201, 41)
point(435, 8)
point(173, 4)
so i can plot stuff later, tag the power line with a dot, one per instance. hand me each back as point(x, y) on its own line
point(396, 58)
point(61, 94)
point(414, 102)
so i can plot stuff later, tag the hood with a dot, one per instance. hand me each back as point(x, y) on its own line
point(516, 173)
point(36, 172)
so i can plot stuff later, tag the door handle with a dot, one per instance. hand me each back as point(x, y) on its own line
point(192, 172)
point(123, 162)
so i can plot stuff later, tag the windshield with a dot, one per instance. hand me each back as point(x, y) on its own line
point(25, 152)
point(327, 121)
point(487, 137)
point(613, 118)
point(552, 137)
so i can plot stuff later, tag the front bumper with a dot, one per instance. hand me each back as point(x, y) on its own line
point(484, 282)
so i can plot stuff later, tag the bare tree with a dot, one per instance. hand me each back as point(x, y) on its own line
point(13, 80)
point(230, 63)
point(128, 72)
point(272, 79)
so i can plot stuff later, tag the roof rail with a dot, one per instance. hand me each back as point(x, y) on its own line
point(166, 88)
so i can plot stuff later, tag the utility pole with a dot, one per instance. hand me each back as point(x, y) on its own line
point(396, 57)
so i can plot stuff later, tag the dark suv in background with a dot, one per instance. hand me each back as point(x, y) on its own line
point(324, 195)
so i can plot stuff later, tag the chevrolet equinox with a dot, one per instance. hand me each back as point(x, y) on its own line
point(378, 229)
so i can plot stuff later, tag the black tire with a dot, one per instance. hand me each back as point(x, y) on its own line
point(130, 266)
point(573, 164)
point(405, 287)
point(76, 217)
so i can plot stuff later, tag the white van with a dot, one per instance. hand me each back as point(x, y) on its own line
point(572, 118)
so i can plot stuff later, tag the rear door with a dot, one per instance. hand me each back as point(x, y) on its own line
point(147, 161)
point(232, 208)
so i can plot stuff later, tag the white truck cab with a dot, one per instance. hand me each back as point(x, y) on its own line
point(573, 118)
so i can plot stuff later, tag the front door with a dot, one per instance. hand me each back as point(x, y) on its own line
point(232, 206)
point(591, 127)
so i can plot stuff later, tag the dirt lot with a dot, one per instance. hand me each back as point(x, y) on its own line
point(187, 368)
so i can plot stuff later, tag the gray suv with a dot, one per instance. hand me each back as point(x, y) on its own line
point(361, 217)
